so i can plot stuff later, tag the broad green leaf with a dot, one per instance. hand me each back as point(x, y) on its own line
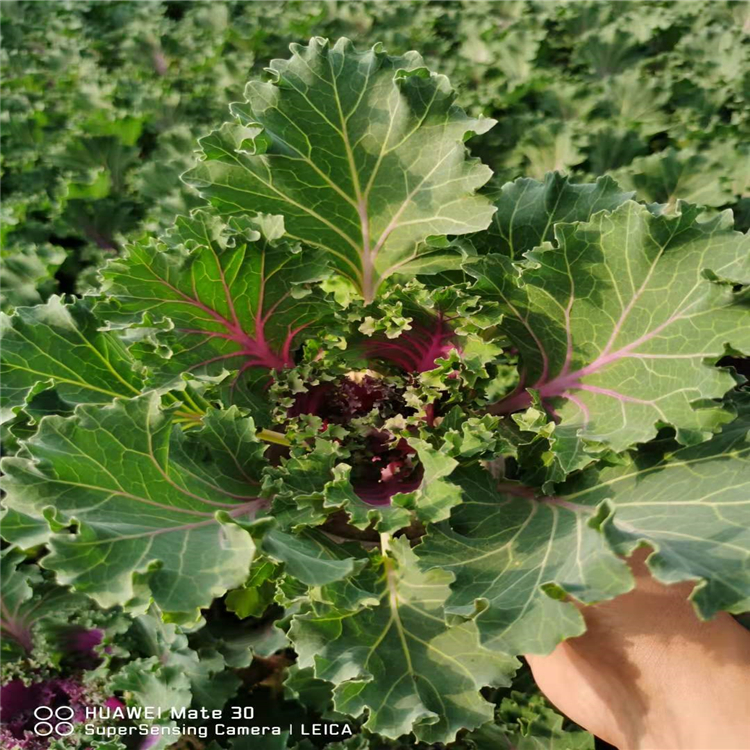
point(239, 641)
point(620, 325)
point(635, 102)
point(395, 656)
point(514, 554)
point(611, 148)
point(258, 592)
point(519, 555)
point(59, 345)
point(362, 154)
point(225, 451)
point(133, 490)
point(548, 147)
point(23, 531)
point(527, 210)
point(692, 507)
point(687, 175)
point(226, 297)
point(311, 556)
point(302, 685)
point(27, 274)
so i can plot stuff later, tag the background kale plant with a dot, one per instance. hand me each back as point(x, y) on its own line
point(337, 439)
point(103, 103)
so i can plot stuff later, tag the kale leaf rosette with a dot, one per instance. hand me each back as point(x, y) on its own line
point(361, 427)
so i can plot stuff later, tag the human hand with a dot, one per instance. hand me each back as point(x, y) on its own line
point(649, 675)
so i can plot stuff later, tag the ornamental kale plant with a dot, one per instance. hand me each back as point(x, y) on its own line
point(374, 420)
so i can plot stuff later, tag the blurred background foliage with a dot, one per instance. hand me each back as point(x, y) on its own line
point(102, 103)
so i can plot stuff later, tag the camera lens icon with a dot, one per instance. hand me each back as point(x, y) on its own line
point(61, 726)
